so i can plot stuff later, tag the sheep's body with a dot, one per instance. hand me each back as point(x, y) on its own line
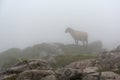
point(78, 36)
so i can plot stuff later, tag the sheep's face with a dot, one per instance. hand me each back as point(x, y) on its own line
point(68, 30)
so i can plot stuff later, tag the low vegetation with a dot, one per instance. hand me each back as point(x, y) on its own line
point(66, 59)
point(71, 53)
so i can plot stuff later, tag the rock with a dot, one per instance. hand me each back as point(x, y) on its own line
point(82, 64)
point(36, 69)
point(9, 77)
point(28, 68)
point(39, 64)
point(51, 60)
point(104, 76)
point(30, 64)
point(49, 77)
point(71, 74)
point(109, 60)
point(25, 62)
point(110, 76)
point(90, 69)
point(76, 74)
point(18, 69)
point(89, 77)
point(34, 74)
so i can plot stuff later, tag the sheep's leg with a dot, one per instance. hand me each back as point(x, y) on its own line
point(86, 45)
point(86, 42)
point(77, 42)
point(83, 43)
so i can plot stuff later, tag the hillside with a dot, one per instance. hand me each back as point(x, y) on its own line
point(59, 50)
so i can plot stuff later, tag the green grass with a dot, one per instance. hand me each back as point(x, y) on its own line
point(66, 59)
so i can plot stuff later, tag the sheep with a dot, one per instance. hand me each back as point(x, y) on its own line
point(78, 36)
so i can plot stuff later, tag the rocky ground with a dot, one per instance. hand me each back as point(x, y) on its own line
point(90, 69)
point(105, 67)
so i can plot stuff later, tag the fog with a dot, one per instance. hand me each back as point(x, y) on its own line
point(25, 23)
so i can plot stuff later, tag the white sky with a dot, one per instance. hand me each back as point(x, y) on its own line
point(27, 22)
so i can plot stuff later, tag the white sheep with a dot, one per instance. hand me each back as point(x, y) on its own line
point(78, 36)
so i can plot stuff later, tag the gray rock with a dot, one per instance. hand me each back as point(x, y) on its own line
point(90, 77)
point(9, 77)
point(27, 68)
point(110, 76)
point(82, 64)
point(18, 69)
point(109, 60)
point(90, 69)
point(104, 76)
point(34, 74)
point(71, 74)
point(49, 77)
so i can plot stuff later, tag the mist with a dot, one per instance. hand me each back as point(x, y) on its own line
point(24, 23)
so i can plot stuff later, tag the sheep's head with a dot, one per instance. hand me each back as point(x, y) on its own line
point(68, 30)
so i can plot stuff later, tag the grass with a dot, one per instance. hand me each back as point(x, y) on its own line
point(66, 59)
point(72, 53)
